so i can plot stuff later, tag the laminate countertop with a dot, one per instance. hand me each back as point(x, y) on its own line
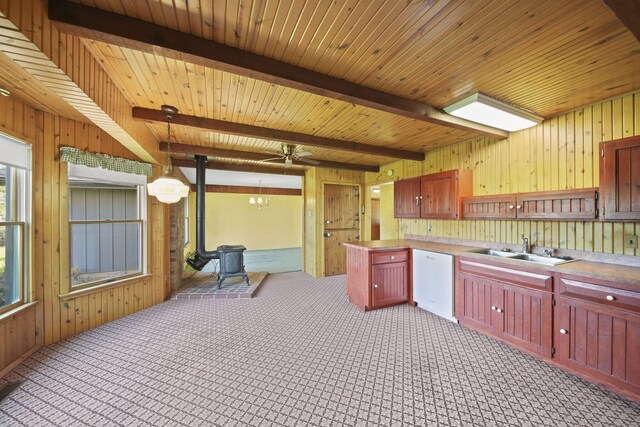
point(623, 274)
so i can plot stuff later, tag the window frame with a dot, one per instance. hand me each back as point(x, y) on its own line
point(21, 217)
point(142, 238)
point(186, 221)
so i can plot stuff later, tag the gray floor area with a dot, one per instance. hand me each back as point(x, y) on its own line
point(297, 354)
point(269, 260)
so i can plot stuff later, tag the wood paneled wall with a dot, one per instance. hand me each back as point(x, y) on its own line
point(65, 66)
point(55, 318)
point(313, 192)
point(560, 153)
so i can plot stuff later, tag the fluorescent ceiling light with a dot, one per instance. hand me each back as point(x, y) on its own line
point(480, 108)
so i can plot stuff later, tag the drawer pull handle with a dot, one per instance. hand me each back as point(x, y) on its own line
point(494, 308)
point(611, 298)
point(564, 331)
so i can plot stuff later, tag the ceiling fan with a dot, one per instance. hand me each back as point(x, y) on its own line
point(291, 152)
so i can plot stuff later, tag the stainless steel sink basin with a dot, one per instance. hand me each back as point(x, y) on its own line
point(496, 252)
point(525, 257)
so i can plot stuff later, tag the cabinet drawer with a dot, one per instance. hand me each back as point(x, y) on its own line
point(507, 275)
point(385, 257)
point(606, 295)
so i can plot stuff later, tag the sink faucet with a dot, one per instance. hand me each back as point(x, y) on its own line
point(548, 252)
point(525, 245)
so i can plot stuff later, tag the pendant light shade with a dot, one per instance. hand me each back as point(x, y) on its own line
point(168, 188)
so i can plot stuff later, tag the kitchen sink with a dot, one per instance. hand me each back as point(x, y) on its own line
point(539, 259)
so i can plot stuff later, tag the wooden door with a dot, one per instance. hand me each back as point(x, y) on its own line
point(598, 341)
point(389, 284)
point(341, 224)
point(406, 198)
point(620, 179)
point(375, 219)
point(527, 315)
point(439, 195)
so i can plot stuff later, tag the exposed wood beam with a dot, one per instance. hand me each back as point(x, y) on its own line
point(180, 163)
point(628, 12)
point(109, 27)
point(274, 134)
point(260, 157)
point(236, 189)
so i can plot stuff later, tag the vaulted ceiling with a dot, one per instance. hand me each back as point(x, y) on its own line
point(375, 73)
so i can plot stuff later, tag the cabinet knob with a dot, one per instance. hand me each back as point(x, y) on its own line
point(610, 298)
point(564, 331)
point(417, 201)
point(518, 206)
point(493, 307)
point(511, 206)
point(499, 310)
point(375, 286)
point(392, 257)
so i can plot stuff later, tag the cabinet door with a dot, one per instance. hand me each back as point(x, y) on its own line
point(490, 207)
point(527, 315)
point(598, 341)
point(406, 198)
point(558, 205)
point(389, 284)
point(477, 302)
point(439, 195)
point(620, 179)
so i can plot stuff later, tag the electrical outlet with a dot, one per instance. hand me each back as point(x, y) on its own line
point(631, 241)
point(429, 228)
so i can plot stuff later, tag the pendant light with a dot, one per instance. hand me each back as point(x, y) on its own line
point(259, 202)
point(168, 188)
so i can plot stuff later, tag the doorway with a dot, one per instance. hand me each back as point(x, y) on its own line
point(341, 224)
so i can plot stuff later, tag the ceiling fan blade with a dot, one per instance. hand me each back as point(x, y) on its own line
point(272, 159)
point(303, 153)
point(309, 161)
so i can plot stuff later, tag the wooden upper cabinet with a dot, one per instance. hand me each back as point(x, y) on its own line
point(406, 198)
point(620, 179)
point(559, 205)
point(442, 193)
point(580, 204)
point(490, 207)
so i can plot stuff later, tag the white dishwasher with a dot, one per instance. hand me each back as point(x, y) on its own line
point(433, 282)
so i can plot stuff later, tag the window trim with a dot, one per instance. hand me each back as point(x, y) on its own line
point(22, 282)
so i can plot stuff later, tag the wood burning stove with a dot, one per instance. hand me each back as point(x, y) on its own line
point(231, 256)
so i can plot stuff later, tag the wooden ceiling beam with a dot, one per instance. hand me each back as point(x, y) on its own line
point(109, 27)
point(259, 157)
point(251, 131)
point(628, 12)
point(182, 163)
point(238, 189)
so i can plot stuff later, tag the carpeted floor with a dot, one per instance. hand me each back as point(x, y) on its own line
point(296, 354)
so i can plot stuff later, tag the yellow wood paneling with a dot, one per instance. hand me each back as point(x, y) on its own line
point(560, 153)
point(53, 318)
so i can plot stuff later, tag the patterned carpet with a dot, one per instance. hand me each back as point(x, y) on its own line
point(296, 354)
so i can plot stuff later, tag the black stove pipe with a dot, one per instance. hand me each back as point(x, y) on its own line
point(201, 171)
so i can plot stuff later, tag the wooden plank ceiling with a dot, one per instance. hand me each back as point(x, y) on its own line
point(546, 56)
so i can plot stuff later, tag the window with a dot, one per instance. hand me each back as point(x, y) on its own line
point(107, 217)
point(14, 216)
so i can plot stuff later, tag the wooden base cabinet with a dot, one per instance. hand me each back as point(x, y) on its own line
point(511, 305)
point(597, 332)
point(377, 279)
